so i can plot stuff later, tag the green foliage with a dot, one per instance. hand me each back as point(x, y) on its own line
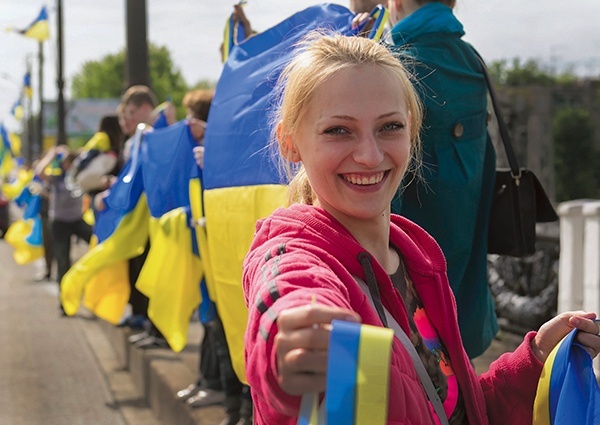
point(105, 78)
point(102, 79)
point(531, 72)
point(204, 85)
point(576, 157)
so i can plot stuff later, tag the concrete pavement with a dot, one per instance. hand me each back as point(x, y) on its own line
point(49, 373)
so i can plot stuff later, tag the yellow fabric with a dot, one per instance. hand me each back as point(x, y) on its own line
point(382, 23)
point(107, 292)
point(16, 236)
point(170, 278)
point(15, 141)
point(39, 31)
point(541, 406)
point(195, 188)
point(373, 375)
point(231, 215)
point(99, 141)
point(6, 167)
point(14, 189)
point(127, 241)
point(18, 112)
point(88, 216)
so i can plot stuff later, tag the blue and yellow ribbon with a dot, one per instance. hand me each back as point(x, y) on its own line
point(358, 374)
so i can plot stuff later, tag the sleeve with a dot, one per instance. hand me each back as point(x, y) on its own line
point(89, 178)
point(278, 275)
point(510, 385)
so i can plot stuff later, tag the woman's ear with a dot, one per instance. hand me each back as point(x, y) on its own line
point(286, 145)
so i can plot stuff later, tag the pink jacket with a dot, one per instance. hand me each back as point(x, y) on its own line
point(302, 251)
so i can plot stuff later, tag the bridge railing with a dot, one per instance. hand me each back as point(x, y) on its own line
point(579, 266)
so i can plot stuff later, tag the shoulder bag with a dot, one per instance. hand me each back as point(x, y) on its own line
point(519, 200)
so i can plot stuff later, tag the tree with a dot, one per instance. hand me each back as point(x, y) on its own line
point(576, 157)
point(531, 72)
point(105, 78)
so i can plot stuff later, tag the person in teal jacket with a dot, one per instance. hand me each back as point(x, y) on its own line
point(453, 198)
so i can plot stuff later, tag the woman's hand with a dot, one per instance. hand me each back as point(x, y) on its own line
point(301, 346)
point(553, 331)
point(360, 19)
point(199, 155)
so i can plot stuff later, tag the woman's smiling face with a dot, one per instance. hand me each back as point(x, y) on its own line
point(354, 142)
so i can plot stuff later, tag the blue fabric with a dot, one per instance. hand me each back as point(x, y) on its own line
point(238, 127)
point(454, 203)
point(207, 312)
point(123, 197)
point(574, 391)
point(166, 154)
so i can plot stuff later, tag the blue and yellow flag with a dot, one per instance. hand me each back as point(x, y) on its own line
point(17, 110)
point(159, 116)
point(233, 34)
point(568, 392)
point(38, 29)
point(25, 234)
point(7, 155)
point(27, 85)
point(172, 271)
point(241, 182)
point(121, 230)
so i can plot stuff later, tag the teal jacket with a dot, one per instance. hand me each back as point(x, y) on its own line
point(454, 200)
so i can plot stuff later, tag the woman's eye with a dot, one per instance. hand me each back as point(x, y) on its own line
point(335, 130)
point(392, 126)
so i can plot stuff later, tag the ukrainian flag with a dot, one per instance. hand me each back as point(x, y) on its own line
point(6, 154)
point(17, 110)
point(27, 85)
point(121, 231)
point(242, 184)
point(25, 234)
point(172, 271)
point(39, 28)
point(568, 391)
point(233, 34)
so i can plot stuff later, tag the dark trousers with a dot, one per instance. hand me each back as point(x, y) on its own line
point(62, 232)
point(210, 375)
point(137, 300)
point(47, 241)
point(238, 401)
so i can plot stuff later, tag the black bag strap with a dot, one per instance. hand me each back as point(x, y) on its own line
point(504, 134)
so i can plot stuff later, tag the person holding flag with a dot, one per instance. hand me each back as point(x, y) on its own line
point(347, 128)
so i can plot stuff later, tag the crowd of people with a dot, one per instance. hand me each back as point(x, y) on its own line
point(390, 169)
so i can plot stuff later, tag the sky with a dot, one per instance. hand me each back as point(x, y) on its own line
point(560, 35)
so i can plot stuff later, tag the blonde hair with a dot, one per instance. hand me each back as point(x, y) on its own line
point(321, 56)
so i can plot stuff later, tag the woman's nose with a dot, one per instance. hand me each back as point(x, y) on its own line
point(368, 151)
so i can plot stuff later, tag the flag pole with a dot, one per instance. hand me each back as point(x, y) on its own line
point(27, 132)
point(40, 122)
point(61, 134)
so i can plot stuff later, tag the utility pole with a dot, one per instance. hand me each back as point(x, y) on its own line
point(40, 136)
point(61, 137)
point(28, 107)
point(136, 66)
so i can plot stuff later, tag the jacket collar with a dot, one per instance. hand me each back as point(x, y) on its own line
point(431, 18)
